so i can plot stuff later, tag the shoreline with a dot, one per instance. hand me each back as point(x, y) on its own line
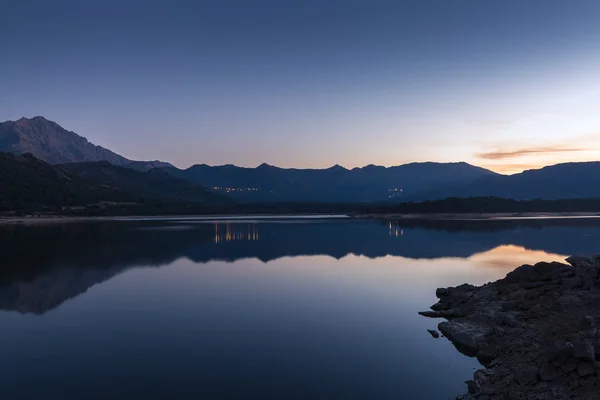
point(480, 216)
point(50, 219)
point(536, 332)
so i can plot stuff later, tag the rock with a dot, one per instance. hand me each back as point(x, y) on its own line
point(584, 262)
point(527, 375)
point(572, 283)
point(532, 285)
point(467, 336)
point(487, 354)
point(430, 314)
point(535, 331)
point(465, 287)
point(567, 272)
point(587, 322)
point(549, 372)
point(439, 306)
point(546, 268)
point(433, 333)
point(560, 350)
point(585, 369)
point(584, 352)
point(442, 292)
point(472, 386)
point(525, 273)
point(518, 295)
point(569, 366)
point(538, 310)
point(585, 267)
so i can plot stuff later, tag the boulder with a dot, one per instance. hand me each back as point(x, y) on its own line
point(559, 350)
point(433, 333)
point(472, 386)
point(585, 267)
point(430, 314)
point(548, 271)
point(439, 306)
point(584, 352)
point(467, 336)
point(572, 283)
point(524, 273)
point(587, 322)
point(532, 285)
point(549, 372)
point(487, 354)
point(567, 271)
point(569, 366)
point(527, 375)
point(584, 262)
point(585, 369)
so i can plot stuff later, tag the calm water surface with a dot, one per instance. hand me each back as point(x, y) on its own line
point(257, 308)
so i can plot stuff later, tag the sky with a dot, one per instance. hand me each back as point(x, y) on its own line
point(507, 85)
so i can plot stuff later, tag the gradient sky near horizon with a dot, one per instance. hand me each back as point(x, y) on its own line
point(507, 85)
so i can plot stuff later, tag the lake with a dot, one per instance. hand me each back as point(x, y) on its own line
point(254, 308)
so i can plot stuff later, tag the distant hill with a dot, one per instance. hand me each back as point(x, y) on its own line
point(50, 142)
point(336, 184)
point(561, 181)
point(156, 184)
point(30, 184)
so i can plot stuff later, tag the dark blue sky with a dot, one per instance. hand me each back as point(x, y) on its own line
point(504, 84)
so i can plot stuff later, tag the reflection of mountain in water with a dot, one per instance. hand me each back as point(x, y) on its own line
point(44, 266)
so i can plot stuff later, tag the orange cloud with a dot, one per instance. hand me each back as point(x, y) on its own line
point(499, 155)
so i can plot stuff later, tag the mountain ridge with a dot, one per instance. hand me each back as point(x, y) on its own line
point(50, 142)
point(572, 180)
point(416, 181)
point(335, 184)
point(30, 184)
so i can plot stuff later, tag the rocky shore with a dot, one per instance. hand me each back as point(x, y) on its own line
point(536, 332)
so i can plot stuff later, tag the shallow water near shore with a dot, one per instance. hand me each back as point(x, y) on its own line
point(253, 308)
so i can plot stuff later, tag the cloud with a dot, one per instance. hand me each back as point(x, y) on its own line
point(499, 155)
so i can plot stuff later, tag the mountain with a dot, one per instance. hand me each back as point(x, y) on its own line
point(561, 181)
point(50, 142)
point(156, 184)
point(336, 184)
point(29, 183)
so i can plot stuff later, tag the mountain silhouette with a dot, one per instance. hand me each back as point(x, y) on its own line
point(49, 142)
point(336, 184)
point(154, 184)
point(30, 184)
point(561, 181)
point(52, 143)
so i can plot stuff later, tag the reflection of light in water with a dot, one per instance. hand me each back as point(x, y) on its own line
point(235, 232)
point(395, 230)
point(509, 257)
